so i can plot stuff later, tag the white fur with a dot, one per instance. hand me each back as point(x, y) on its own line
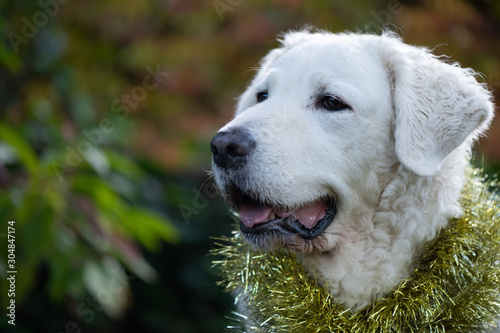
point(395, 162)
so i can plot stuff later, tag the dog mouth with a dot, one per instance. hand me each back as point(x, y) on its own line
point(308, 221)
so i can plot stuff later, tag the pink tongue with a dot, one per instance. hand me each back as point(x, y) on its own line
point(310, 215)
point(252, 213)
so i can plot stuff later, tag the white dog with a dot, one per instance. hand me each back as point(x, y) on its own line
point(350, 150)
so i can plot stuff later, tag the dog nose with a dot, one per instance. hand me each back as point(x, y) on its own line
point(230, 149)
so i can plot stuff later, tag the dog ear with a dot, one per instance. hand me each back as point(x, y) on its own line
point(437, 105)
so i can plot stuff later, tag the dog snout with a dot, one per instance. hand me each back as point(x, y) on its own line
point(231, 149)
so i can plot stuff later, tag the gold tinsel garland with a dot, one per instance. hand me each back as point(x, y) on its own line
point(455, 287)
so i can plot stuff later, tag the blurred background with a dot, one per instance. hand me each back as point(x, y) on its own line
point(107, 109)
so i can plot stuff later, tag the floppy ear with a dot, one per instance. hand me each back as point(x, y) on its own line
point(437, 105)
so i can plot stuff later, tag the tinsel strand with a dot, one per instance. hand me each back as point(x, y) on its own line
point(455, 287)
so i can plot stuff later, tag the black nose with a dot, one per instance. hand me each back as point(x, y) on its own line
point(231, 149)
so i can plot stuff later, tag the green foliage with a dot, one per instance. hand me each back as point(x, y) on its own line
point(73, 197)
point(77, 219)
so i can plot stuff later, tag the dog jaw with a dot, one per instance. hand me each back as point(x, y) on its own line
point(371, 250)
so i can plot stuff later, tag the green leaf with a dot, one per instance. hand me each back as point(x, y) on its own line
point(35, 228)
point(150, 228)
point(98, 190)
point(124, 165)
point(24, 151)
point(9, 59)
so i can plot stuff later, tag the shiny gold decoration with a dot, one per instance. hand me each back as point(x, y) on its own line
point(455, 287)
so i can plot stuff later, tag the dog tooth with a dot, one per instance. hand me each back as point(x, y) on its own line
point(283, 213)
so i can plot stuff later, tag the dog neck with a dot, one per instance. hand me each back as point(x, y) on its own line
point(454, 284)
point(381, 242)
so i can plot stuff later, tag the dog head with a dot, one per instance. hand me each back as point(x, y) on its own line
point(325, 124)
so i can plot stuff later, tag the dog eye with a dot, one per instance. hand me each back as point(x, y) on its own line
point(332, 104)
point(261, 96)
